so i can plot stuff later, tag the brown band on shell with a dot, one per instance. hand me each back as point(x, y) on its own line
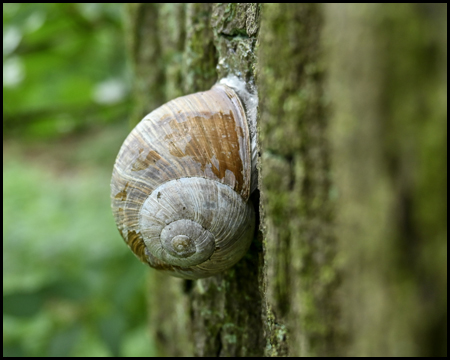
point(219, 155)
point(199, 135)
point(122, 195)
point(144, 161)
point(137, 245)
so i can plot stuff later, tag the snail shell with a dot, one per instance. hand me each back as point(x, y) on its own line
point(181, 184)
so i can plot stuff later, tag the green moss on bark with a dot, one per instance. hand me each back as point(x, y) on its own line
point(300, 271)
point(145, 53)
point(200, 56)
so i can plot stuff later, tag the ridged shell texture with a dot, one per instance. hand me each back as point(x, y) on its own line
point(181, 184)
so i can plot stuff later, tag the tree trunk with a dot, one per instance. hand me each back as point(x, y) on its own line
point(350, 253)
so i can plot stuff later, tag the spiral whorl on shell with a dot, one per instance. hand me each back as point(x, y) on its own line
point(181, 184)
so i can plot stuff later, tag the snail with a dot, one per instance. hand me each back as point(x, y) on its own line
point(181, 184)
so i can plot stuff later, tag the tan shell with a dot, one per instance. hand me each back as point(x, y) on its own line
point(181, 184)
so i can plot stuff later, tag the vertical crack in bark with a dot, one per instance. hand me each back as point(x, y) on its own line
point(218, 342)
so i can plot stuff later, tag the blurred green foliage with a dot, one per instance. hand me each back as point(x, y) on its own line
point(70, 286)
point(63, 67)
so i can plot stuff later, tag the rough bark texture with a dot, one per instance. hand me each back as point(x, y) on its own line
point(300, 272)
point(350, 255)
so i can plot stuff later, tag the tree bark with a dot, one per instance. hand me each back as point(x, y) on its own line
point(349, 256)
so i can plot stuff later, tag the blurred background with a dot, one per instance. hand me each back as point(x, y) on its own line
point(70, 287)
